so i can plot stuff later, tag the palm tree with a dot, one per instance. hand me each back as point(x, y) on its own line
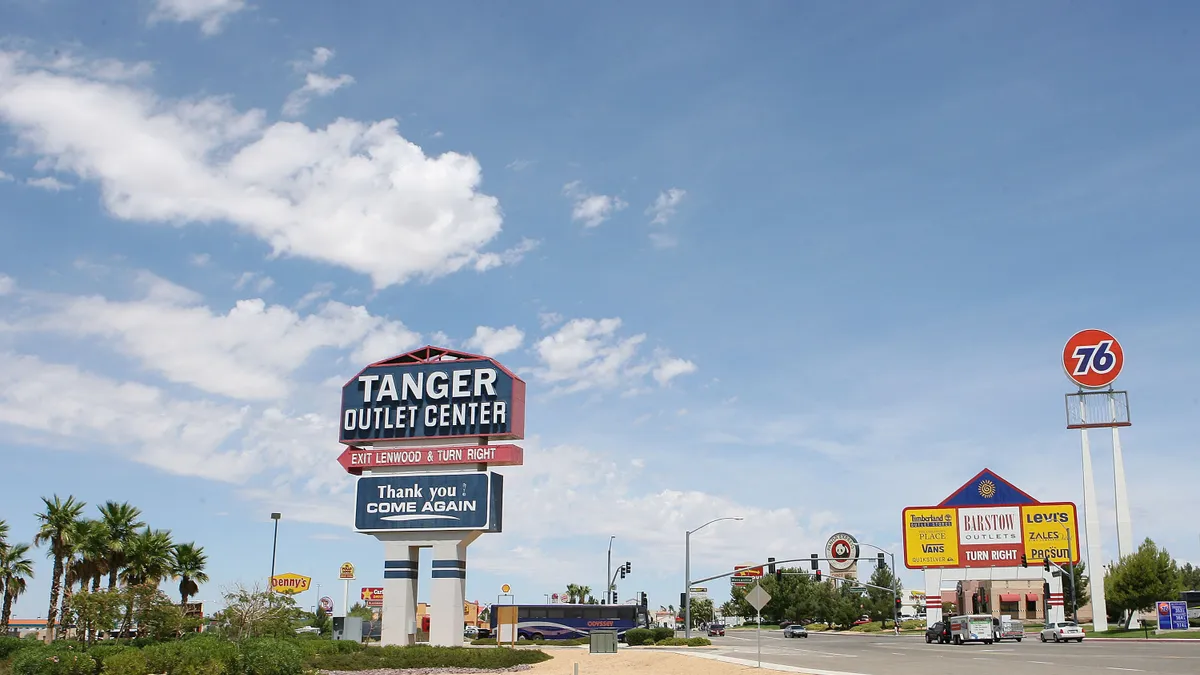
point(187, 565)
point(122, 521)
point(3, 534)
point(57, 529)
point(148, 560)
point(93, 552)
point(15, 570)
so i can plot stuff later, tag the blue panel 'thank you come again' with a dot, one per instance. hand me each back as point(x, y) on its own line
point(443, 399)
point(444, 501)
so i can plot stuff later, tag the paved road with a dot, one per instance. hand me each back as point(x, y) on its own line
point(889, 655)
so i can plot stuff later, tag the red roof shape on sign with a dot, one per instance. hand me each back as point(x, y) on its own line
point(431, 354)
point(988, 489)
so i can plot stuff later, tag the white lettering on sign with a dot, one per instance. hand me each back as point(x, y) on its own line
point(436, 385)
point(442, 415)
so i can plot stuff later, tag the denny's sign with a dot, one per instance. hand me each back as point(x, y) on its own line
point(989, 523)
point(290, 584)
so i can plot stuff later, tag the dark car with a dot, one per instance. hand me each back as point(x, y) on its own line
point(716, 630)
point(939, 632)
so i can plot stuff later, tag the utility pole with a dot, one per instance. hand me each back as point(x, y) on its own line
point(608, 574)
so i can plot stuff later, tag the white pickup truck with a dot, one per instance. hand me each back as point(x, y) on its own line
point(971, 628)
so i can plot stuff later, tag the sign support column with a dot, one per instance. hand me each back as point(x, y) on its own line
point(399, 594)
point(1091, 520)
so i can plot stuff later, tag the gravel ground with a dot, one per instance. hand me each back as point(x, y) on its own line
point(429, 670)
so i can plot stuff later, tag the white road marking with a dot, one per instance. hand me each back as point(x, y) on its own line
point(1131, 670)
point(1044, 663)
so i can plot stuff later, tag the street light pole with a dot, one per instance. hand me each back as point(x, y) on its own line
point(274, 543)
point(608, 574)
point(687, 573)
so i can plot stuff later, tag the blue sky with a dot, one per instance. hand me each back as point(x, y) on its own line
point(803, 264)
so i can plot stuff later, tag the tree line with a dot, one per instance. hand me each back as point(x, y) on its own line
point(117, 546)
point(1149, 575)
point(799, 597)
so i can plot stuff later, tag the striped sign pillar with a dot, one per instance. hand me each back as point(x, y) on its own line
point(1056, 609)
point(399, 593)
point(933, 596)
point(448, 594)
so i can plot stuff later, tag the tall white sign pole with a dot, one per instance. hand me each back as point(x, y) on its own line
point(1124, 521)
point(1091, 517)
point(346, 598)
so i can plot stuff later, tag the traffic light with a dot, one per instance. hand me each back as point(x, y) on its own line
point(1024, 560)
point(814, 563)
point(898, 602)
point(879, 564)
point(614, 598)
point(642, 599)
point(771, 565)
point(622, 571)
point(628, 567)
point(1046, 564)
point(818, 575)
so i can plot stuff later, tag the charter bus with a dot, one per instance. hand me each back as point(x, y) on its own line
point(567, 622)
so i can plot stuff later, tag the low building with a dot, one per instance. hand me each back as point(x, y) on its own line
point(1019, 599)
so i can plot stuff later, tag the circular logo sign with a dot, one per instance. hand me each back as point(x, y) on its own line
point(842, 551)
point(327, 604)
point(1093, 358)
point(505, 588)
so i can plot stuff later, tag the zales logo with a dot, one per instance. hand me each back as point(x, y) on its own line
point(933, 548)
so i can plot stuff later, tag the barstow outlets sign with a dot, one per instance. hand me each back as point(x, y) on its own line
point(989, 523)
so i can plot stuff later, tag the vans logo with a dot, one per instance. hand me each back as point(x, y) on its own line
point(933, 548)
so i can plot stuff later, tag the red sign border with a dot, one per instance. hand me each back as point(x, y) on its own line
point(1118, 351)
point(507, 454)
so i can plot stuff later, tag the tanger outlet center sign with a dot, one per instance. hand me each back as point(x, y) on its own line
point(432, 400)
point(402, 421)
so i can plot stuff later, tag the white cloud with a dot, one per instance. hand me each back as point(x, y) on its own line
point(7, 285)
point(316, 85)
point(495, 341)
point(49, 183)
point(320, 56)
point(549, 319)
point(671, 368)
point(210, 14)
point(5, 177)
point(591, 209)
point(512, 256)
point(519, 164)
point(138, 421)
point(200, 259)
point(261, 282)
point(664, 207)
point(248, 352)
point(588, 353)
point(353, 194)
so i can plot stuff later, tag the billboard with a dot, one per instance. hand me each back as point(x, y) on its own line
point(432, 393)
point(989, 523)
point(440, 501)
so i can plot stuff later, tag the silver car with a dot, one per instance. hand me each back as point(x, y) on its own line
point(795, 630)
point(1062, 631)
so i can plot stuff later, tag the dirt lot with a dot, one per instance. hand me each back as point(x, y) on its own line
point(632, 662)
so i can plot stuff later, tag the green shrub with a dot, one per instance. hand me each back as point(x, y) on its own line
point(10, 646)
point(320, 646)
point(127, 661)
point(44, 660)
point(639, 636)
point(661, 633)
point(198, 656)
point(699, 642)
point(101, 652)
point(912, 624)
point(684, 642)
point(270, 656)
point(872, 627)
point(816, 627)
point(424, 656)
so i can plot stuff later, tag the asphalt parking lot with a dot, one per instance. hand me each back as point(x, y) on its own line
point(909, 655)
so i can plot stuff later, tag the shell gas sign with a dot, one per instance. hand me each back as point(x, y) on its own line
point(290, 584)
point(990, 523)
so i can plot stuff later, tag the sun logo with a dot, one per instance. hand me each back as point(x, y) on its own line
point(987, 489)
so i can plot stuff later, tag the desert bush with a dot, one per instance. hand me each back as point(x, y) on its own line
point(423, 656)
point(10, 646)
point(639, 636)
point(270, 656)
point(51, 660)
point(816, 627)
point(125, 662)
